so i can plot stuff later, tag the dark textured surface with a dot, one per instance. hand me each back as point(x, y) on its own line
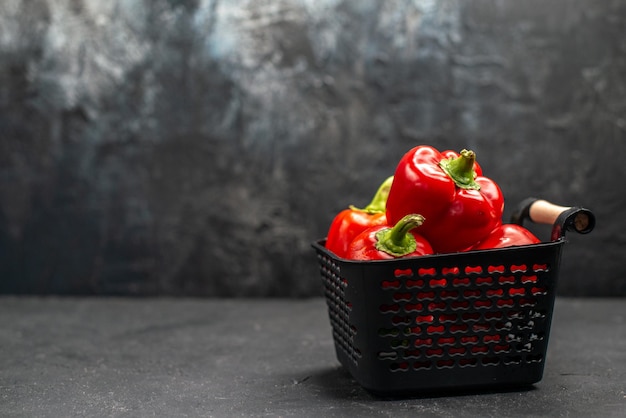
point(221, 358)
point(198, 147)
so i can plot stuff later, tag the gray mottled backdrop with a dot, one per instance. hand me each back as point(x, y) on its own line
point(198, 147)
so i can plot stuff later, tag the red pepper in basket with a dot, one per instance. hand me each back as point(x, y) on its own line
point(448, 189)
point(384, 242)
point(507, 235)
point(352, 221)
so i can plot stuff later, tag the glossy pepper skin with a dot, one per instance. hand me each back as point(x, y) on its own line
point(507, 235)
point(350, 222)
point(461, 205)
point(385, 242)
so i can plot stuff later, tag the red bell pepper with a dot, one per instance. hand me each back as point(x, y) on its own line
point(461, 206)
point(384, 242)
point(352, 221)
point(507, 235)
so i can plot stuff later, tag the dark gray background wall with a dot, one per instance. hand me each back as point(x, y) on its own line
point(198, 147)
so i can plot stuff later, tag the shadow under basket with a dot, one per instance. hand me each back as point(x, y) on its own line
point(466, 320)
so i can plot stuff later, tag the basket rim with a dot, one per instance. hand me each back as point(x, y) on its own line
point(319, 246)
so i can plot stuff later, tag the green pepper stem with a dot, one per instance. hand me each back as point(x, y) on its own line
point(397, 241)
point(461, 170)
point(379, 202)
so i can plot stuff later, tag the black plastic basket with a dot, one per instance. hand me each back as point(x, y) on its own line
point(463, 320)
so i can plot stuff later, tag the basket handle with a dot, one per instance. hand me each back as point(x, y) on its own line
point(562, 218)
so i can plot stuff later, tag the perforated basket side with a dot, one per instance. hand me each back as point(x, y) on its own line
point(339, 307)
point(455, 320)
